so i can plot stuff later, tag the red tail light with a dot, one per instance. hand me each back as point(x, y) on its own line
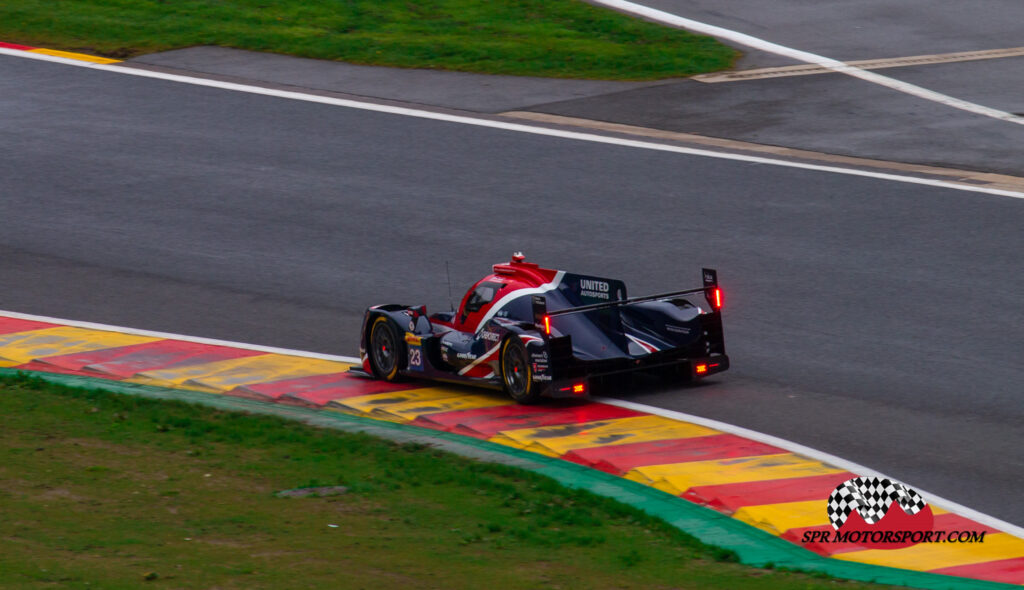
point(575, 388)
point(701, 369)
point(716, 294)
point(547, 325)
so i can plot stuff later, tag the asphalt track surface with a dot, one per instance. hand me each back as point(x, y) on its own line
point(829, 113)
point(837, 114)
point(866, 29)
point(877, 321)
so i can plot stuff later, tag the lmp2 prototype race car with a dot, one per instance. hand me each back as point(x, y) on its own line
point(536, 332)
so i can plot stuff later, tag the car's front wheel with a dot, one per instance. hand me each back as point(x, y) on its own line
point(387, 352)
point(516, 374)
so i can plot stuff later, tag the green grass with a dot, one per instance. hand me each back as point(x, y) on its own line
point(555, 38)
point(105, 491)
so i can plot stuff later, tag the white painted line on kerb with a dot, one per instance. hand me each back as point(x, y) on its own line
point(671, 414)
point(807, 57)
point(169, 336)
point(817, 455)
point(508, 126)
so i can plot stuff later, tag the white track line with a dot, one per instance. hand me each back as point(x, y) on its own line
point(671, 414)
point(507, 126)
point(807, 57)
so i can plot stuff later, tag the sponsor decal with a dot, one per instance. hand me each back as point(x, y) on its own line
point(540, 368)
point(595, 289)
point(679, 329)
point(413, 339)
point(468, 356)
point(879, 513)
point(592, 285)
point(490, 336)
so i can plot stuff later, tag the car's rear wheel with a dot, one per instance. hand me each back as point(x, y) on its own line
point(387, 351)
point(516, 374)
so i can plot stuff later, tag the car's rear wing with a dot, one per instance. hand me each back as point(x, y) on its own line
point(713, 294)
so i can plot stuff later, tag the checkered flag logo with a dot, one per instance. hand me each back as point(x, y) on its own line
point(871, 497)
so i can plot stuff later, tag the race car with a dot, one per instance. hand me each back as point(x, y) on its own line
point(537, 332)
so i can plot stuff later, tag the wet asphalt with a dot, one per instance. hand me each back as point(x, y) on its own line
point(878, 321)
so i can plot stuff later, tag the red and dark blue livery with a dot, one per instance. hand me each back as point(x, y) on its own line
point(537, 332)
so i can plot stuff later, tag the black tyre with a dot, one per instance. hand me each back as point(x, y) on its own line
point(387, 350)
point(516, 374)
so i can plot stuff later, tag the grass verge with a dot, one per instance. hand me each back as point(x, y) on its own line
point(553, 38)
point(102, 490)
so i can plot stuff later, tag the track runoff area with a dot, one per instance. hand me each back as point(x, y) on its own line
point(821, 504)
